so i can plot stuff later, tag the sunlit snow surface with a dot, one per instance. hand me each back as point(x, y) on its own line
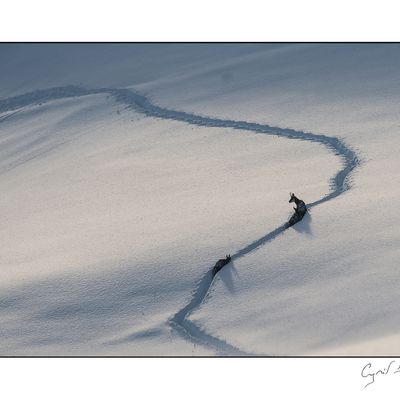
point(111, 216)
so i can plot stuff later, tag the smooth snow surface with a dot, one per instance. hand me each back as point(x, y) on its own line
point(128, 170)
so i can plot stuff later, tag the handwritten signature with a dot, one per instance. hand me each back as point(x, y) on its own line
point(369, 372)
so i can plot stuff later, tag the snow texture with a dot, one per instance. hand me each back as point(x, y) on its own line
point(121, 193)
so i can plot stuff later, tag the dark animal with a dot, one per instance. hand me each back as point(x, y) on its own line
point(300, 209)
point(220, 263)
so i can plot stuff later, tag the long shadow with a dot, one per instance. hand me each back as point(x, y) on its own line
point(304, 226)
point(228, 277)
point(339, 183)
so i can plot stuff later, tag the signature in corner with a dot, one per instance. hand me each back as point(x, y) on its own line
point(369, 372)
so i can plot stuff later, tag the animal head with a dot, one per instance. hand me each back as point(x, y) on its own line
point(292, 198)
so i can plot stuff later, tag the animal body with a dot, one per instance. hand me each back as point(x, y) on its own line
point(300, 209)
point(220, 263)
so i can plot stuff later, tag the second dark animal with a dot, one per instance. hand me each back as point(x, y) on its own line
point(220, 263)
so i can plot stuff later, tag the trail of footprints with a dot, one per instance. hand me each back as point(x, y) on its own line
point(133, 100)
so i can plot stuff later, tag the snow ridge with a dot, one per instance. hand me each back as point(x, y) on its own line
point(340, 183)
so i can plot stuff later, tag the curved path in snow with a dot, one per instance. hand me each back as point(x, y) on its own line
point(340, 183)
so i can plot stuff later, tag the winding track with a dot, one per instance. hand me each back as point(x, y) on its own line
point(340, 183)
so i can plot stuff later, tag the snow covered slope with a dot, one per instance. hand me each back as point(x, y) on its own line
point(115, 207)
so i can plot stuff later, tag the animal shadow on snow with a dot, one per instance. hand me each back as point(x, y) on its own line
point(304, 226)
point(228, 274)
